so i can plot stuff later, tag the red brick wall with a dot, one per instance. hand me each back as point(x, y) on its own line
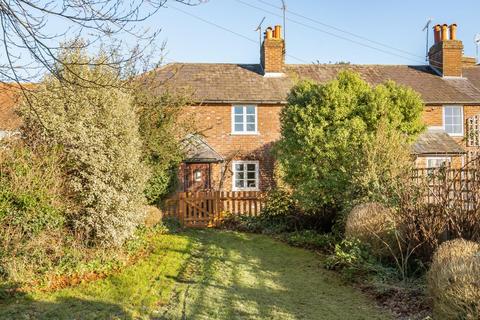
point(273, 55)
point(215, 122)
point(447, 57)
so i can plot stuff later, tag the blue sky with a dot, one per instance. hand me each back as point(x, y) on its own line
point(395, 24)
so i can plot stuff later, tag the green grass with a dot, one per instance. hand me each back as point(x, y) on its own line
point(207, 274)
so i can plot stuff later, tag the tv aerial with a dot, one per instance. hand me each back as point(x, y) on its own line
point(427, 29)
point(259, 29)
point(477, 43)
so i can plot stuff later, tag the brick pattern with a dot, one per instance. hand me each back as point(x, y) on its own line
point(273, 55)
point(215, 122)
point(447, 56)
point(433, 116)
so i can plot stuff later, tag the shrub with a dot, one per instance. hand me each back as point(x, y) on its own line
point(32, 197)
point(162, 130)
point(373, 224)
point(241, 223)
point(325, 126)
point(454, 280)
point(311, 240)
point(91, 117)
point(351, 257)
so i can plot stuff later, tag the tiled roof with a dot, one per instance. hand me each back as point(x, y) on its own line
point(246, 83)
point(436, 141)
point(9, 120)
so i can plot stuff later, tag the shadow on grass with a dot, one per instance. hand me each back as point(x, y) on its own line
point(21, 306)
point(241, 276)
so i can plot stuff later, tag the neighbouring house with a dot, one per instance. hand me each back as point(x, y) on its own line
point(9, 119)
point(238, 108)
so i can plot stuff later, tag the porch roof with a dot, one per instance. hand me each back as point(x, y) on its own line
point(436, 142)
point(198, 150)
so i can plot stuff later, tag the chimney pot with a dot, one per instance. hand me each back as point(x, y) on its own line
point(436, 33)
point(278, 31)
point(268, 33)
point(453, 31)
point(444, 32)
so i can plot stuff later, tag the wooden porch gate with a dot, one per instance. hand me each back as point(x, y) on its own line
point(206, 208)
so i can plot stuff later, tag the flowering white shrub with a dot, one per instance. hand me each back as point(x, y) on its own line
point(90, 115)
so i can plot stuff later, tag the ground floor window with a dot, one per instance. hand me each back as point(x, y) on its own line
point(245, 175)
point(438, 162)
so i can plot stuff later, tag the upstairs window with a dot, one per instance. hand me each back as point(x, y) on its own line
point(244, 119)
point(453, 120)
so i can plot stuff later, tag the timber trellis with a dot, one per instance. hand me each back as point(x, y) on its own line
point(452, 187)
point(206, 208)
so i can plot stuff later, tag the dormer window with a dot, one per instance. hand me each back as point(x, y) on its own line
point(244, 119)
point(453, 120)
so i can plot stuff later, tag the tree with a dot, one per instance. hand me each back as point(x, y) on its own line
point(29, 32)
point(92, 119)
point(326, 130)
point(163, 131)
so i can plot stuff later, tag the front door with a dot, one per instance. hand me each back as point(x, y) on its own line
point(197, 176)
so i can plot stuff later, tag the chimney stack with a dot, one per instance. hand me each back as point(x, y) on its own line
point(447, 52)
point(272, 54)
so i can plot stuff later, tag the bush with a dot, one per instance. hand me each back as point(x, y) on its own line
point(352, 258)
point(454, 280)
point(92, 118)
point(241, 223)
point(311, 240)
point(373, 224)
point(162, 130)
point(32, 197)
point(325, 128)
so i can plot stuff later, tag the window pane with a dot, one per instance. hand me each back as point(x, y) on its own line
point(250, 110)
point(240, 183)
point(239, 167)
point(238, 110)
point(238, 127)
point(251, 119)
point(251, 127)
point(453, 120)
point(251, 166)
point(251, 183)
point(238, 118)
point(239, 175)
point(251, 175)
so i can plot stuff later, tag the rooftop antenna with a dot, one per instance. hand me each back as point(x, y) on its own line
point(259, 29)
point(427, 29)
point(284, 9)
point(477, 43)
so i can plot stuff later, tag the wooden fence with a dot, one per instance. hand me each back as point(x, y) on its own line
point(447, 186)
point(206, 208)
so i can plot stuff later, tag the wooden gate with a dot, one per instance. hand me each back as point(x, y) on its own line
point(206, 208)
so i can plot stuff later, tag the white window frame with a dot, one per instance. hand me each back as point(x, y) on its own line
point(244, 131)
point(448, 159)
point(257, 176)
point(463, 120)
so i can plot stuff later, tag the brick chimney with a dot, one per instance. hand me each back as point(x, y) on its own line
point(446, 54)
point(272, 53)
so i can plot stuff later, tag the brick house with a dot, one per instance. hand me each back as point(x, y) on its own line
point(239, 106)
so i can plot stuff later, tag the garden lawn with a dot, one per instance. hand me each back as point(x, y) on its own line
point(207, 274)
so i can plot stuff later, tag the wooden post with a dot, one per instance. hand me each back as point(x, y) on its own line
point(181, 208)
